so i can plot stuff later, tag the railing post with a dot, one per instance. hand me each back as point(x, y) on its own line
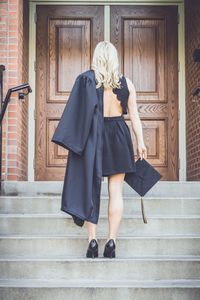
point(2, 69)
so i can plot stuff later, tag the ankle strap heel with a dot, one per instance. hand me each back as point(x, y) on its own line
point(92, 250)
point(109, 250)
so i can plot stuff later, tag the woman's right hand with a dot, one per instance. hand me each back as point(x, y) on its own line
point(142, 151)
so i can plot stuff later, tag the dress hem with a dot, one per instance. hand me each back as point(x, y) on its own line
point(119, 171)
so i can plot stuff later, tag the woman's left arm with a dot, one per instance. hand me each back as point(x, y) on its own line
point(135, 120)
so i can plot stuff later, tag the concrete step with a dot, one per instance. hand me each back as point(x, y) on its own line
point(98, 289)
point(53, 188)
point(132, 205)
point(131, 225)
point(140, 268)
point(42, 251)
point(38, 246)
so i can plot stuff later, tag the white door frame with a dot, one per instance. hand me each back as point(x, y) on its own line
point(181, 73)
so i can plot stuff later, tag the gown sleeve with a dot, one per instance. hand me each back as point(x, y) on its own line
point(74, 126)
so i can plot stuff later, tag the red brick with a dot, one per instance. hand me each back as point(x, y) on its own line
point(13, 40)
point(192, 41)
point(12, 114)
point(12, 142)
point(3, 47)
point(13, 7)
point(13, 60)
point(12, 66)
point(13, 2)
point(4, 12)
point(13, 33)
point(12, 74)
point(12, 177)
point(13, 163)
point(3, 5)
point(3, 32)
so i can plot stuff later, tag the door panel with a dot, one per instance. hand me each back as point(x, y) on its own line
point(66, 37)
point(146, 39)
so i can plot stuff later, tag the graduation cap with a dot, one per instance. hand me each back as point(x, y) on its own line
point(145, 177)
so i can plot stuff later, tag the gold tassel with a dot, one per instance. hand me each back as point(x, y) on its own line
point(143, 213)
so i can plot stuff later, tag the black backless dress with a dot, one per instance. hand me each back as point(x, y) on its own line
point(118, 151)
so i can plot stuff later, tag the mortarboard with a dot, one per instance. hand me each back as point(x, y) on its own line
point(145, 177)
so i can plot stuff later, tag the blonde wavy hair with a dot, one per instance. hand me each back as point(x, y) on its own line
point(105, 64)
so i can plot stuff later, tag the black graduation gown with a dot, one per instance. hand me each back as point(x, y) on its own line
point(80, 130)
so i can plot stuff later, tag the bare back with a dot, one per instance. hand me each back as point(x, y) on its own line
point(112, 106)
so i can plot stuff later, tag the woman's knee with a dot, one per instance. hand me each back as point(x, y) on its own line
point(115, 183)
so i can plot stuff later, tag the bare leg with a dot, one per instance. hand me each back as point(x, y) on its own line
point(91, 228)
point(115, 206)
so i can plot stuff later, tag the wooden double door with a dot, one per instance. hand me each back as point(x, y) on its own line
point(146, 39)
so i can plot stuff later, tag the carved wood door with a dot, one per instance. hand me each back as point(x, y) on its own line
point(147, 42)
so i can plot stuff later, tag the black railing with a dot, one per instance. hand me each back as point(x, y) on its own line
point(4, 104)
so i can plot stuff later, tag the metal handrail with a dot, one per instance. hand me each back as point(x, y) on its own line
point(4, 105)
point(7, 98)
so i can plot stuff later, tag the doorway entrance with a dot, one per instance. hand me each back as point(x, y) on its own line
point(146, 38)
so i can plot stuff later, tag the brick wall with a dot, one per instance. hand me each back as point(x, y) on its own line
point(14, 55)
point(192, 41)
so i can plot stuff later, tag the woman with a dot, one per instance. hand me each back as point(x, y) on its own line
point(118, 99)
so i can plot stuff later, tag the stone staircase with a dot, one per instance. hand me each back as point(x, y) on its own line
point(42, 252)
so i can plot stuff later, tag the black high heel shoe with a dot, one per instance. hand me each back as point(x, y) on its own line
point(109, 250)
point(92, 250)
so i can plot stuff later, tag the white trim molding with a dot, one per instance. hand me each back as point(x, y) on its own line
point(181, 92)
point(32, 96)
